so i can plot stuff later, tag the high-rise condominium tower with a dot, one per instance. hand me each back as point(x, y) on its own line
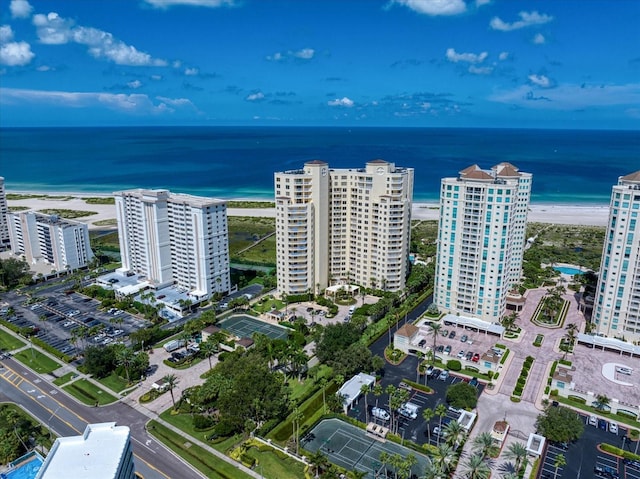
point(173, 238)
point(616, 310)
point(481, 238)
point(5, 241)
point(62, 243)
point(338, 226)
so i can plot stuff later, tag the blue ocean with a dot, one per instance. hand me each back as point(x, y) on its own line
point(568, 166)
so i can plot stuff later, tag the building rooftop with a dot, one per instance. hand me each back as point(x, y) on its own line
point(408, 331)
point(96, 453)
point(631, 177)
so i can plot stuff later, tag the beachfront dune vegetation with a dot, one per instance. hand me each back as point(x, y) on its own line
point(68, 214)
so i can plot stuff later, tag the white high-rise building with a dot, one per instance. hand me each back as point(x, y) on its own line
point(103, 451)
point(5, 239)
point(338, 226)
point(616, 310)
point(57, 241)
point(481, 239)
point(171, 238)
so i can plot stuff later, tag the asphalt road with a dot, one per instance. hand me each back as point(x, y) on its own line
point(65, 417)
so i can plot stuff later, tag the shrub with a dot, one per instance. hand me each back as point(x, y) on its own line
point(462, 395)
point(554, 392)
point(201, 423)
point(454, 365)
point(565, 362)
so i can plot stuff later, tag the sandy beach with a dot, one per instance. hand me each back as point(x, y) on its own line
point(596, 215)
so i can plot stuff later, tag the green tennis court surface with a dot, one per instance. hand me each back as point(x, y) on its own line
point(348, 446)
point(244, 326)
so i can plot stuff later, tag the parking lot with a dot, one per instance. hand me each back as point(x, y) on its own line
point(69, 322)
point(413, 429)
point(583, 459)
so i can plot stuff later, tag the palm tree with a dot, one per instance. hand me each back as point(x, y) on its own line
point(441, 410)
point(385, 458)
point(483, 444)
point(601, 402)
point(558, 463)
point(444, 458)
point(364, 389)
point(296, 416)
point(319, 460)
point(377, 391)
point(171, 382)
point(517, 452)
point(125, 358)
point(427, 414)
point(208, 348)
point(323, 385)
point(476, 468)
point(435, 331)
point(454, 433)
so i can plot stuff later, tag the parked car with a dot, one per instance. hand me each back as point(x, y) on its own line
point(602, 424)
point(436, 431)
point(593, 421)
point(444, 375)
point(469, 356)
point(409, 410)
point(429, 371)
point(422, 343)
point(473, 382)
point(440, 348)
point(461, 354)
point(380, 413)
point(447, 350)
point(452, 334)
point(435, 373)
point(613, 428)
point(463, 338)
point(476, 358)
point(445, 333)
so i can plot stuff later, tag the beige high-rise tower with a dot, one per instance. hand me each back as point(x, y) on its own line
point(343, 226)
point(616, 310)
point(5, 241)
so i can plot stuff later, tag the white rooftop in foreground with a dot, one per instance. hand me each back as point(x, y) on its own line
point(473, 323)
point(97, 454)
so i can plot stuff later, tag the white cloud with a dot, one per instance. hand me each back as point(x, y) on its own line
point(503, 56)
point(480, 3)
point(44, 68)
point(156, 77)
point(20, 8)
point(303, 54)
point(16, 54)
point(176, 102)
point(480, 70)
point(191, 71)
point(540, 80)
point(191, 3)
point(344, 101)
point(571, 96)
point(434, 7)
point(135, 103)
point(6, 33)
point(526, 19)
point(135, 84)
point(539, 39)
point(257, 96)
point(55, 30)
point(455, 57)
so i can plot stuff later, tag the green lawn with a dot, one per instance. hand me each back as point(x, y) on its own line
point(300, 389)
point(272, 466)
point(195, 455)
point(88, 393)
point(9, 342)
point(37, 361)
point(114, 382)
point(64, 379)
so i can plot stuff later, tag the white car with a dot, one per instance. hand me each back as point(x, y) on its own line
point(613, 427)
point(593, 421)
point(380, 413)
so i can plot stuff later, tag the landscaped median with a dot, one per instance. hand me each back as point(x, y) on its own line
point(522, 379)
point(88, 393)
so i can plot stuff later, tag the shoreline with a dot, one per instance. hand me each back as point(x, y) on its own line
point(553, 213)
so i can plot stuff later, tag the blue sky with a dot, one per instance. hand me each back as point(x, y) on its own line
point(435, 63)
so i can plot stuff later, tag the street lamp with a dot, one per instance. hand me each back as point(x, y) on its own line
point(50, 418)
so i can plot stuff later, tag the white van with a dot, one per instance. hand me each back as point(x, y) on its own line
point(409, 410)
point(351, 310)
point(624, 370)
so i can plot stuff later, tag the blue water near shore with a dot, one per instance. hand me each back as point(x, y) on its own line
point(569, 166)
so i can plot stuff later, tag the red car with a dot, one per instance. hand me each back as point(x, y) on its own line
point(476, 358)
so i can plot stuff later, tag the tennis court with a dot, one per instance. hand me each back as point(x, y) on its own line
point(243, 326)
point(348, 446)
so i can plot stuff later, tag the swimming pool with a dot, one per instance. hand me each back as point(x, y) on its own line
point(568, 270)
point(27, 470)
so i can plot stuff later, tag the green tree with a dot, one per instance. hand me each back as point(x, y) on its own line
point(462, 395)
point(483, 445)
point(171, 381)
point(559, 462)
point(435, 332)
point(444, 458)
point(364, 390)
point(208, 348)
point(559, 424)
point(125, 357)
point(454, 433)
point(601, 402)
point(14, 272)
point(476, 468)
point(517, 452)
point(334, 339)
point(427, 415)
point(441, 411)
